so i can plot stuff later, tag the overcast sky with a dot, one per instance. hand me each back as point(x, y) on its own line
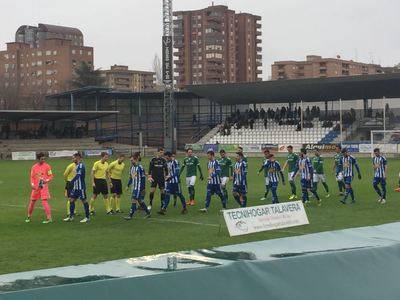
point(129, 31)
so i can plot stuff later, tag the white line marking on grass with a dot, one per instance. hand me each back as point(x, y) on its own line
point(186, 222)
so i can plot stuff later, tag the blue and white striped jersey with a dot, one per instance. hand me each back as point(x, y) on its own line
point(214, 171)
point(272, 168)
point(379, 163)
point(347, 165)
point(136, 177)
point(78, 182)
point(240, 173)
point(305, 167)
point(173, 171)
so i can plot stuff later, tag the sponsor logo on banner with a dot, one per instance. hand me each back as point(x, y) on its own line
point(271, 147)
point(247, 220)
point(251, 148)
point(25, 155)
point(354, 148)
point(96, 152)
point(213, 147)
point(321, 147)
point(63, 153)
point(229, 147)
point(283, 148)
point(365, 148)
point(195, 147)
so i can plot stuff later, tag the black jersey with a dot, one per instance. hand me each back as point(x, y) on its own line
point(158, 167)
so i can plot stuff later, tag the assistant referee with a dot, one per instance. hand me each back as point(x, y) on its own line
point(99, 183)
point(114, 171)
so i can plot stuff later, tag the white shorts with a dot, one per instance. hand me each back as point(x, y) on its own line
point(290, 176)
point(319, 177)
point(190, 181)
point(339, 176)
point(224, 181)
point(266, 181)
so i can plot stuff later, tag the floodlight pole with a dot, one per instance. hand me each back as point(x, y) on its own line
point(301, 120)
point(341, 121)
point(169, 104)
point(384, 113)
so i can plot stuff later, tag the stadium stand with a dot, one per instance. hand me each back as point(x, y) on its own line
point(277, 134)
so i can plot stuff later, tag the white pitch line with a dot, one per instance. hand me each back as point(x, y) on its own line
point(185, 222)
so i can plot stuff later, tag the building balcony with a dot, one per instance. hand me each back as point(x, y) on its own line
point(258, 41)
point(258, 71)
point(258, 56)
point(258, 33)
point(258, 25)
point(214, 19)
point(259, 49)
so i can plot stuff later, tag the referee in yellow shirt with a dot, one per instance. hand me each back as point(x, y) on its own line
point(114, 172)
point(99, 182)
point(69, 174)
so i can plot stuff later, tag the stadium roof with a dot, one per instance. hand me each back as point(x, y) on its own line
point(81, 92)
point(308, 90)
point(47, 115)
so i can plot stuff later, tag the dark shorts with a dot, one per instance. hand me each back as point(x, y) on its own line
point(379, 180)
point(100, 187)
point(160, 182)
point(173, 188)
point(347, 180)
point(116, 186)
point(273, 185)
point(240, 189)
point(214, 189)
point(306, 184)
point(68, 187)
point(138, 194)
point(77, 194)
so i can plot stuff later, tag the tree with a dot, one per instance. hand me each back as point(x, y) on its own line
point(85, 75)
point(157, 68)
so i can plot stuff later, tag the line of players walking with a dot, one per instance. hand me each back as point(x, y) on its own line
point(164, 173)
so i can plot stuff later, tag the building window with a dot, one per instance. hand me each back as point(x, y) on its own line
point(6, 56)
point(39, 63)
point(55, 52)
point(39, 53)
point(73, 51)
point(80, 52)
point(48, 52)
point(89, 53)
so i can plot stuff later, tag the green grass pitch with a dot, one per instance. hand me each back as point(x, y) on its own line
point(37, 246)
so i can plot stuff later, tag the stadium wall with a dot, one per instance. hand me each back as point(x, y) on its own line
point(365, 273)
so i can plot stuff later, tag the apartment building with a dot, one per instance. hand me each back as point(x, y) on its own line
point(122, 79)
point(316, 67)
point(216, 45)
point(43, 66)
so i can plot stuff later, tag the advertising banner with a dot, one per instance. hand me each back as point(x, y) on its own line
point(25, 155)
point(321, 147)
point(271, 147)
point(353, 148)
point(248, 220)
point(251, 148)
point(167, 60)
point(283, 148)
point(62, 153)
point(365, 148)
point(213, 147)
point(195, 147)
point(96, 152)
point(229, 147)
